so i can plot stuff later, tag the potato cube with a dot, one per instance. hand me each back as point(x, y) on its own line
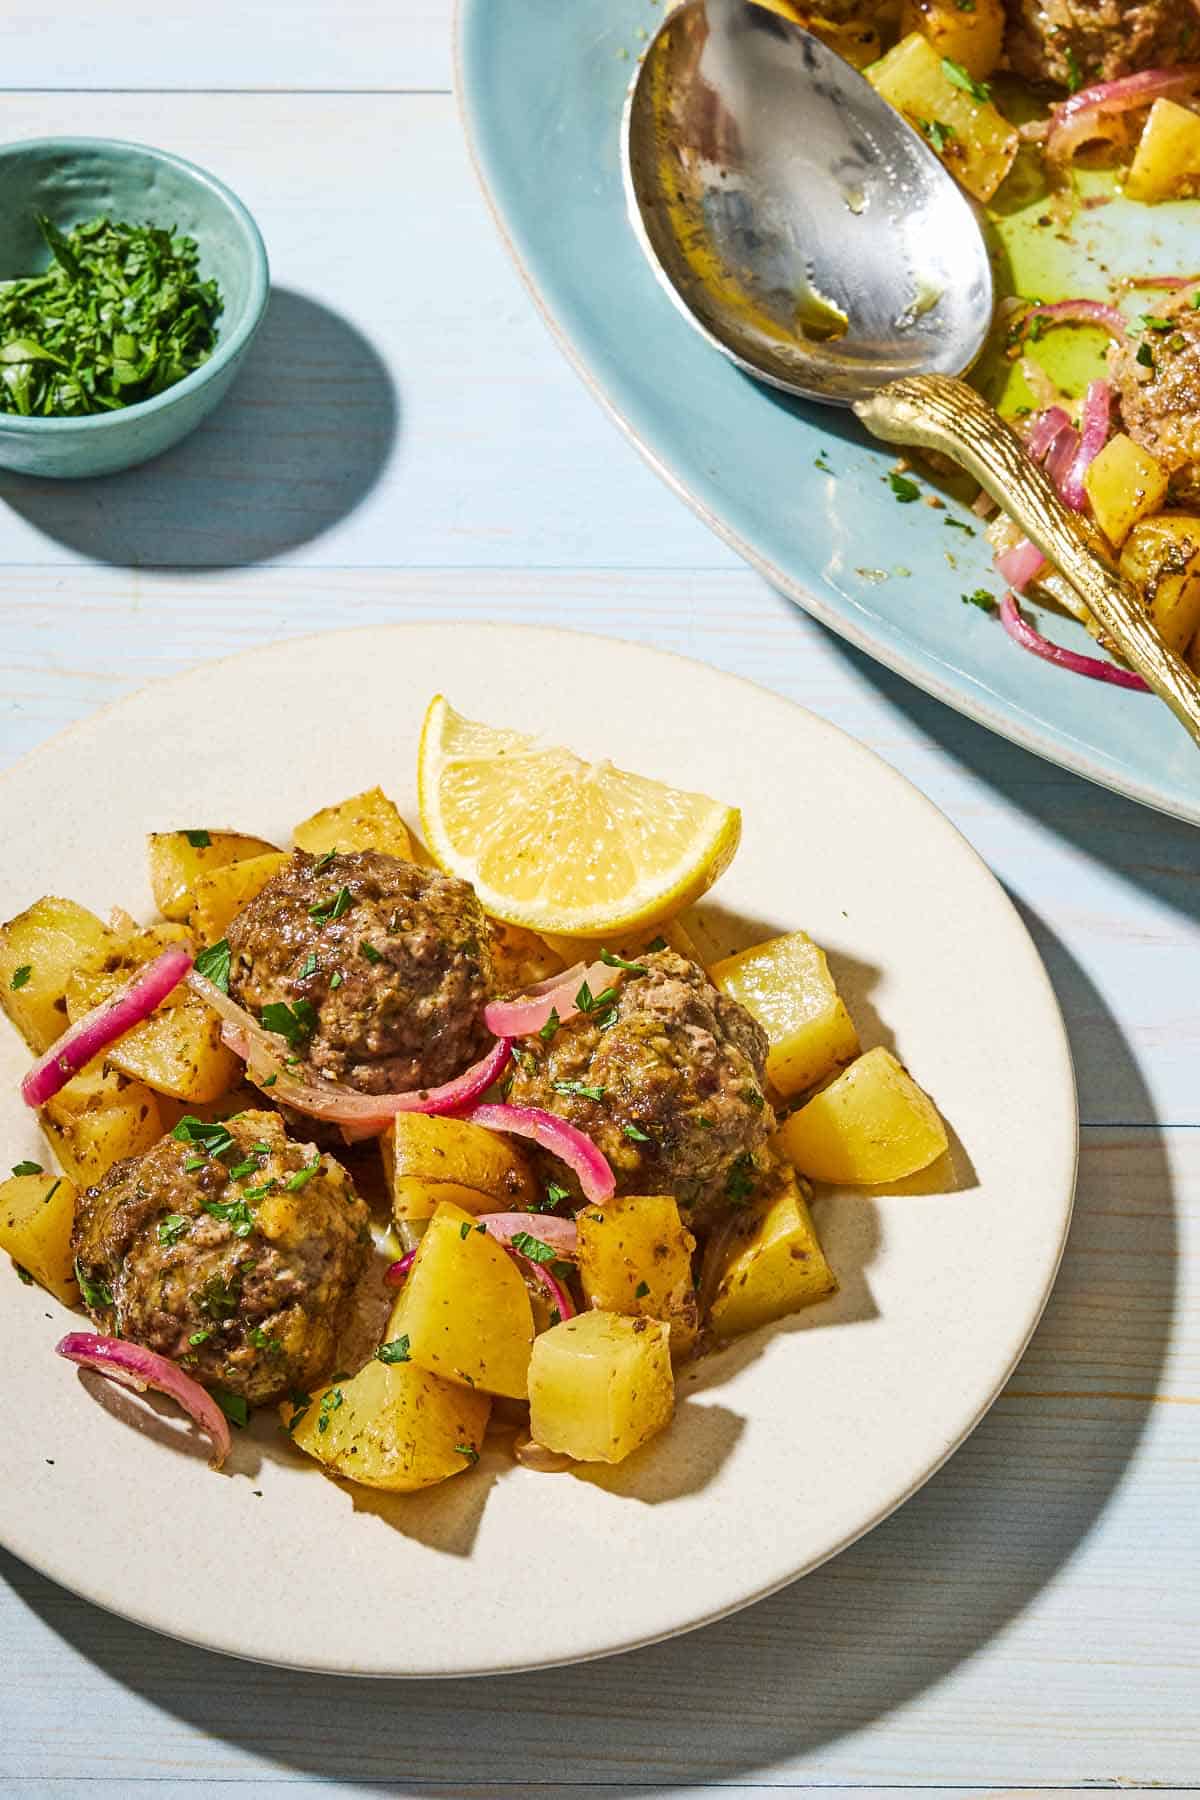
point(872, 1124)
point(1162, 559)
point(969, 32)
point(217, 898)
point(786, 985)
point(1166, 164)
point(635, 1257)
point(464, 1307)
point(475, 1169)
point(773, 1263)
point(176, 1051)
point(178, 859)
point(1124, 484)
point(366, 822)
point(36, 1216)
point(393, 1426)
point(975, 142)
point(600, 1385)
point(100, 1117)
point(39, 952)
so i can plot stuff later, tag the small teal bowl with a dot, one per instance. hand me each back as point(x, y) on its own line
point(75, 179)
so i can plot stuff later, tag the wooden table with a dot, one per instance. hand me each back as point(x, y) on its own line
point(406, 442)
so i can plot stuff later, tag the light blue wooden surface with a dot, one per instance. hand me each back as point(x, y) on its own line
point(407, 443)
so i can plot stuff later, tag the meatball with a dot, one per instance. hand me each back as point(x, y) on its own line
point(384, 968)
point(667, 1081)
point(1160, 396)
point(1073, 43)
point(229, 1248)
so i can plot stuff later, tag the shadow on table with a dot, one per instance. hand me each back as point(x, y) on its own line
point(303, 436)
point(867, 1633)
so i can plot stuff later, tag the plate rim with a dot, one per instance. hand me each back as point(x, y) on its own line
point(1044, 744)
point(110, 1602)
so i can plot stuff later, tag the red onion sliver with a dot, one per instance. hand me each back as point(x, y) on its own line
point(396, 1273)
point(1024, 634)
point(90, 1036)
point(530, 1011)
point(136, 1367)
point(570, 1145)
point(1076, 120)
point(1097, 409)
point(1043, 429)
point(1077, 312)
point(557, 1294)
point(1021, 565)
point(561, 1234)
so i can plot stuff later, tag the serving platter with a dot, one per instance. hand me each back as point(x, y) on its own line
point(795, 488)
point(789, 1444)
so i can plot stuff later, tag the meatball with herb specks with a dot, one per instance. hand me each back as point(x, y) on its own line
point(374, 971)
point(228, 1248)
point(666, 1078)
point(1076, 43)
point(1157, 376)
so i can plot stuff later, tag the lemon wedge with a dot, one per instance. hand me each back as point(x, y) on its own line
point(557, 844)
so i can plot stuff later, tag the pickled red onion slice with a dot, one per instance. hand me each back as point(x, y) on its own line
point(136, 1367)
point(89, 1036)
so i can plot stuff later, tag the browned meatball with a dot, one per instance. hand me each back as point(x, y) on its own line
point(667, 1081)
point(1160, 395)
point(229, 1248)
point(1073, 43)
point(385, 968)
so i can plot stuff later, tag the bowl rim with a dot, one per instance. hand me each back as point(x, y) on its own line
point(227, 347)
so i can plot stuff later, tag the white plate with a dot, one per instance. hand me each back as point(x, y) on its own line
point(788, 1445)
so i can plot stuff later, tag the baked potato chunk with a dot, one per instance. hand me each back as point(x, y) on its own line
point(464, 1308)
point(367, 821)
point(393, 1426)
point(872, 1124)
point(428, 1159)
point(218, 897)
point(970, 34)
point(772, 1264)
point(1124, 484)
point(635, 1257)
point(1166, 164)
point(975, 142)
point(99, 1118)
point(1162, 559)
point(40, 950)
point(786, 985)
point(176, 1051)
point(36, 1216)
point(600, 1385)
point(178, 860)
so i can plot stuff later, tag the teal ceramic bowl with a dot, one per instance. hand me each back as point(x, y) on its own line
point(73, 179)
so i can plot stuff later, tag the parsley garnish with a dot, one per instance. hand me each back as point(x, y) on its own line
point(464, 1230)
point(199, 840)
point(395, 1352)
point(172, 1228)
point(618, 962)
point(1074, 72)
point(579, 1087)
point(232, 1405)
point(742, 1179)
point(307, 967)
point(213, 964)
point(587, 1002)
point(551, 1026)
point(28, 1168)
point(906, 491)
point(219, 1298)
point(242, 1169)
point(938, 132)
point(641, 1290)
point(232, 1212)
point(532, 1247)
point(304, 1175)
point(331, 1399)
point(335, 980)
point(958, 77)
point(269, 1082)
point(20, 976)
point(193, 1163)
point(982, 599)
point(370, 952)
point(214, 1137)
point(294, 1023)
point(467, 1450)
point(554, 1196)
point(96, 1294)
point(23, 1275)
point(323, 861)
point(325, 910)
point(201, 1337)
point(958, 525)
point(1145, 356)
point(636, 1133)
point(300, 1403)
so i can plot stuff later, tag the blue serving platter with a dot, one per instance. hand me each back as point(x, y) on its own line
point(798, 489)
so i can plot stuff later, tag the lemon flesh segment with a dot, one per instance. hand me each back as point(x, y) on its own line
point(558, 844)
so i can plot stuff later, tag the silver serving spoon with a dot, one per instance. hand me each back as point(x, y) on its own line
point(811, 235)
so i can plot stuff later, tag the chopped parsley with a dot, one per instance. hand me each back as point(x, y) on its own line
point(213, 964)
point(201, 1337)
point(336, 979)
point(199, 840)
point(395, 1352)
point(1145, 356)
point(551, 1026)
point(307, 967)
point(982, 599)
point(580, 1088)
point(28, 1168)
point(257, 1338)
point(906, 491)
point(193, 1163)
point(232, 1212)
point(742, 1179)
point(218, 1298)
point(641, 1290)
point(20, 976)
point(241, 1170)
point(469, 1451)
point(300, 1403)
point(295, 1024)
point(959, 77)
point(260, 1193)
point(959, 525)
point(637, 1134)
point(554, 1196)
point(331, 1399)
point(658, 943)
point(369, 951)
point(326, 910)
point(269, 1082)
point(303, 1176)
point(587, 1002)
point(618, 962)
point(172, 1228)
point(214, 1138)
point(938, 132)
point(23, 1275)
point(464, 1230)
point(232, 1405)
point(532, 1247)
point(1074, 72)
point(96, 1294)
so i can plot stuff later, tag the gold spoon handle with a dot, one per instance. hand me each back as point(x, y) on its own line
point(941, 413)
